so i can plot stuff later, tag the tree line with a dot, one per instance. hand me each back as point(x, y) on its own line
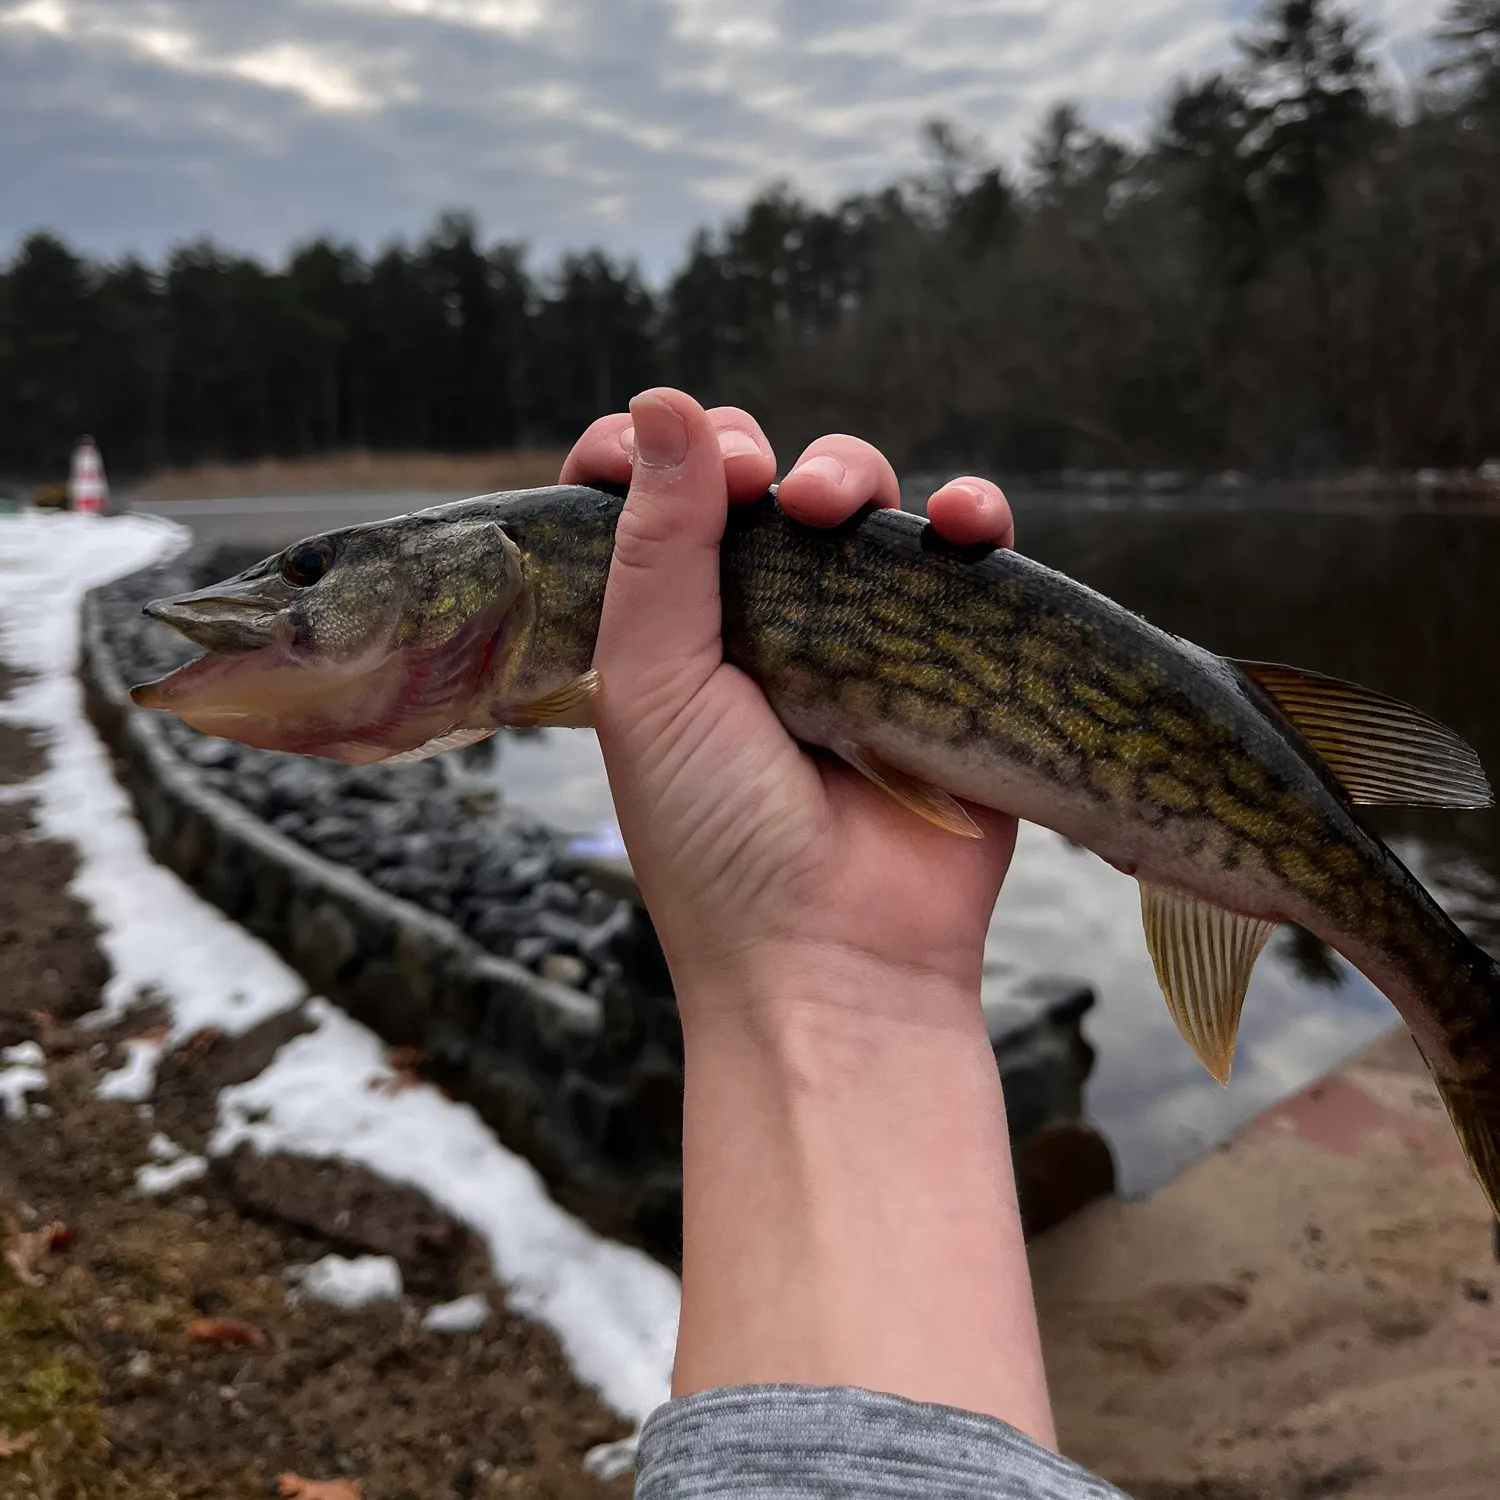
point(1297, 271)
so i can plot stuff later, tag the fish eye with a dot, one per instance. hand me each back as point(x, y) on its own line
point(306, 563)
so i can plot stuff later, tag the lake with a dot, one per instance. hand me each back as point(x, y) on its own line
point(1403, 601)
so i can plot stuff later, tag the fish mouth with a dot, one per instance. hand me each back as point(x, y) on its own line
point(229, 619)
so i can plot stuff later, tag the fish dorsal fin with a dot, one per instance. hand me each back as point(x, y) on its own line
point(918, 796)
point(567, 707)
point(459, 739)
point(1203, 956)
point(1381, 750)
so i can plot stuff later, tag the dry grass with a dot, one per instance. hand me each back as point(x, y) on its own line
point(456, 473)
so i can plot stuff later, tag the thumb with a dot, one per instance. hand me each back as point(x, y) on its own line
point(659, 632)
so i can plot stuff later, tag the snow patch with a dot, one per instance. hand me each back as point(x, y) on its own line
point(613, 1308)
point(157, 1178)
point(348, 1283)
point(135, 1078)
point(24, 1075)
point(160, 938)
point(462, 1315)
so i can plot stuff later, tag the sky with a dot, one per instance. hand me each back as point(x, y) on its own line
point(132, 125)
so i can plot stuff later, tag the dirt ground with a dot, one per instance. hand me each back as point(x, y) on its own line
point(108, 1387)
point(462, 473)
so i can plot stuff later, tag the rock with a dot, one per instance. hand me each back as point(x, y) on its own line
point(564, 968)
point(531, 950)
point(210, 753)
point(338, 838)
point(531, 868)
point(556, 895)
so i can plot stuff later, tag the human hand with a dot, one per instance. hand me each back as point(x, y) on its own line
point(754, 855)
point(849, 1214)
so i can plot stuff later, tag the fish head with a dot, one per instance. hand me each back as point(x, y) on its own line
point(357, 645)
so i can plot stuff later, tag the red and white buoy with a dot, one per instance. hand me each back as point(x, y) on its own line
point(88, 489)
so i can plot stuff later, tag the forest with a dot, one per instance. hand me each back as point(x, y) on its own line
point(1295, 271)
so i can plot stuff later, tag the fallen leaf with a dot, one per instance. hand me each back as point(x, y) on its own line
point(297, 1488)
point(203, 1040)
point(24, 1251)
point(12, 1447)
point(395, 1083)
point(403, 1062)
point(225, 1331)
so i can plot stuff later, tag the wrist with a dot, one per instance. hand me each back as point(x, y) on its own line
point(774, 986)
point(849, 1211)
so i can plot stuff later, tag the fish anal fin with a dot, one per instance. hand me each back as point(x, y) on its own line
point(1475, 1111)
point(458, 739)
point(914, 794)
point(1381, 750)
point(566, 707)
point(1203, 956)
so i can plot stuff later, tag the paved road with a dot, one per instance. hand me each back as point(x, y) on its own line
point(274, 521)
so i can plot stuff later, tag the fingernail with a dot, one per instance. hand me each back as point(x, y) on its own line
point(735, 444)
point(661, 439)
point(627, 440)
point(966, 490)
point(824, 465)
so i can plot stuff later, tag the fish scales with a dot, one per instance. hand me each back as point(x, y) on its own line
point(965, 671)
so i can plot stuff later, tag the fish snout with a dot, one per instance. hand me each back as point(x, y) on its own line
point(218, 620)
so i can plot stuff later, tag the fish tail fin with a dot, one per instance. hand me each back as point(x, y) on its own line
point(1474, 1107)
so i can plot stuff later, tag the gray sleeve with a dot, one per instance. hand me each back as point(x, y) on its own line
point(789, 1442)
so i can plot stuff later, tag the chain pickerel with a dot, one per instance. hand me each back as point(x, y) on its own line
point(1226, 788)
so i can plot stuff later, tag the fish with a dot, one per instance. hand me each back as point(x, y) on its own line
point(947, 675)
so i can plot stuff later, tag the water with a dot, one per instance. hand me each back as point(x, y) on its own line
point(1406, 603)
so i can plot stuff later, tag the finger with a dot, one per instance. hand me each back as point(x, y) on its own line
point(605, 452)
point(971, 510)
point(599, 456)
point(834, 477)
point(749, 460)
point(659, 632)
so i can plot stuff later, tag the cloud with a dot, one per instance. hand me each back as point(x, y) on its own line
point(134, 124)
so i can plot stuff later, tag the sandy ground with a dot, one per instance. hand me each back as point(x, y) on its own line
point(1314, 1310)
point(461, 473)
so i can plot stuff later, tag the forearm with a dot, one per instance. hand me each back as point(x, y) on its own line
point(849, 1210)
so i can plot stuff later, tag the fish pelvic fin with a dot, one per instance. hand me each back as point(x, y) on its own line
point(1474, 1107)
point(924, 799)
point(1381, 750)
point(1203, 956)
point(570, 707)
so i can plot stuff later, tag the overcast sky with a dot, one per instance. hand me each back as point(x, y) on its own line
point(133, 124)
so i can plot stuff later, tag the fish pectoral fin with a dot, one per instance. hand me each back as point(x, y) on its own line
point(1203, 956)
point(458, 739)
point(566, 708)
point(1383, 751)
point(914, 794)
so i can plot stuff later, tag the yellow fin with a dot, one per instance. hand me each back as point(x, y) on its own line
point(1203, 956)
point(914, 794)
point(457, 740)
point(1381, 750)
point(567, 708)
point(1475, 1112)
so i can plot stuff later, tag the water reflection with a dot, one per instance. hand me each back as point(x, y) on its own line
point(1403, 603)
